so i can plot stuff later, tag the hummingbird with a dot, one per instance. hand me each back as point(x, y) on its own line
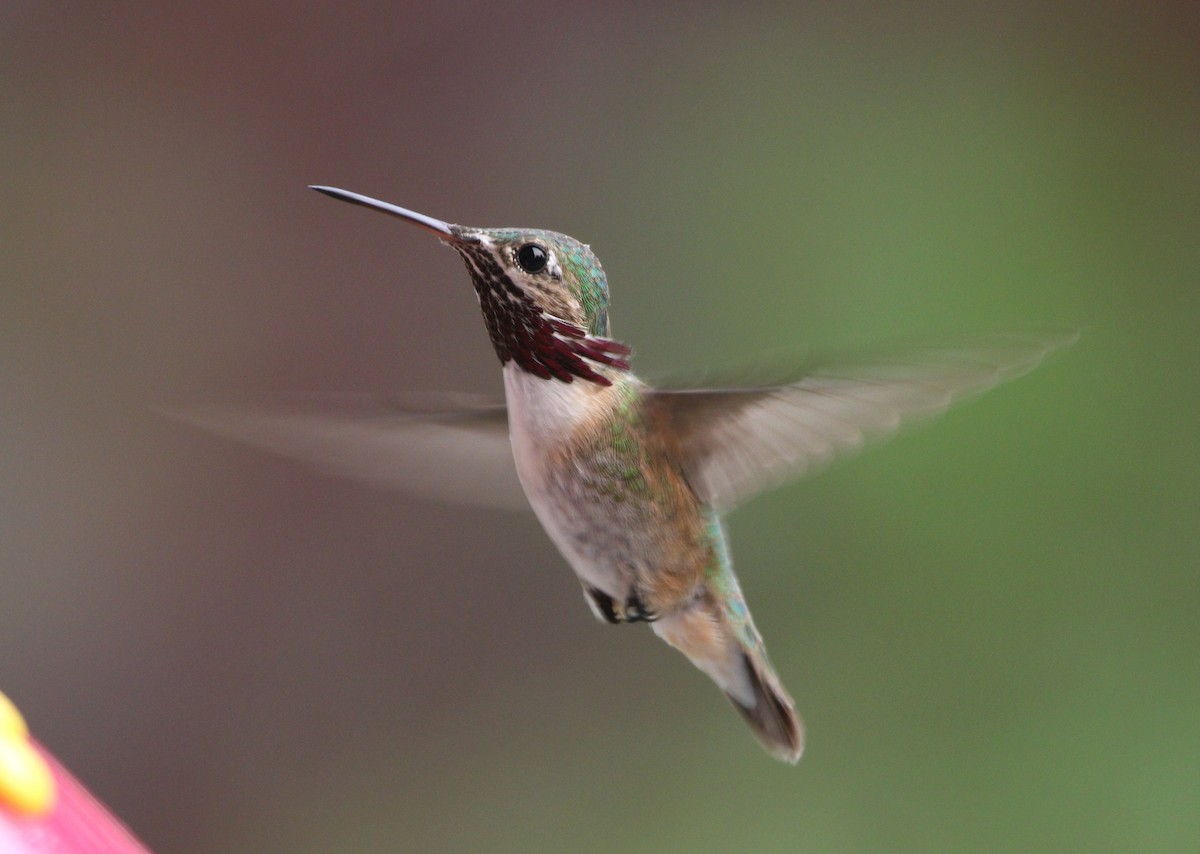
point(630, 481)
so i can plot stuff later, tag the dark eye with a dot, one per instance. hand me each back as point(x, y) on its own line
point(532, 258)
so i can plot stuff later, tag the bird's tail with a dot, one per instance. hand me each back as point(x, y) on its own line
point(773, 716)
point(716, 633)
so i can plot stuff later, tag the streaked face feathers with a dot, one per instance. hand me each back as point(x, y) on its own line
point(544, 299)
point(562, 275)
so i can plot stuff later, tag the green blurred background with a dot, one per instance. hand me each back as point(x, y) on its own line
point(990, 625)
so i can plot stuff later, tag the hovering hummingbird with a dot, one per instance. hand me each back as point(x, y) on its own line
point(630, 481)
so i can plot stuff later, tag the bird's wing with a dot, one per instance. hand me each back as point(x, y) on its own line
point(452, 448)
point(736, 442)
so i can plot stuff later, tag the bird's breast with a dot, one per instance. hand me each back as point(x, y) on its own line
point(606, 495)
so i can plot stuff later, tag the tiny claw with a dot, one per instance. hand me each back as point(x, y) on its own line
point(603, 604)
point(637, 612)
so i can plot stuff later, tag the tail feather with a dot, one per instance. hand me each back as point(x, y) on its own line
point(734, 658)
point(773, 716)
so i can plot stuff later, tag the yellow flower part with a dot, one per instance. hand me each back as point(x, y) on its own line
point(26, 784)
point(11, 722)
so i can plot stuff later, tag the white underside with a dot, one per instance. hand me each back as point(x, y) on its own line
point(540, 414)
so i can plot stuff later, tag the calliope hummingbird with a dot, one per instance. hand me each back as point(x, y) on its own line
point(630, 481)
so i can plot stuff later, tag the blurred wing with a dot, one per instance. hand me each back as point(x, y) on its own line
point(737, 442)
point(459, 452)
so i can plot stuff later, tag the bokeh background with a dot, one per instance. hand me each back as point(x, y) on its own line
point(990, 625)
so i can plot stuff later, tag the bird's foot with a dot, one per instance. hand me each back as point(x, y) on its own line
point(632, 610)
point(636, 610)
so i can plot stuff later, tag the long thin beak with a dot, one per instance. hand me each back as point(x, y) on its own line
point(441, 229)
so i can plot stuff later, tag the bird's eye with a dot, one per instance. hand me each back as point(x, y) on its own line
point(532, 258)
